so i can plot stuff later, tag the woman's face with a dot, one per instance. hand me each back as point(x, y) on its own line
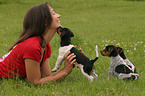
point(55, 19)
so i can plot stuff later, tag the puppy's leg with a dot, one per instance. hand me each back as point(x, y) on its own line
point(85, 74)
point(125, 72)
point(59, 61)
point(128, 76)
point(93, 71)
point(94, 75)
point(130, 64)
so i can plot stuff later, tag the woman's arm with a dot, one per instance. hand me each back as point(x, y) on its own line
point(34, 74)
point(46, 70)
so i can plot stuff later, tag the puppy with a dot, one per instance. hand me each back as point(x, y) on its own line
point(118, 66)
point(83, 62)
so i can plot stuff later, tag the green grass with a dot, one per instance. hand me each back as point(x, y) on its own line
point(94, 22)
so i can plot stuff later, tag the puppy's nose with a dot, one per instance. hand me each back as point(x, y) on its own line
point(102, 53)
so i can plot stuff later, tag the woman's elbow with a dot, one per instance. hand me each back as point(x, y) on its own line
point(35, 82)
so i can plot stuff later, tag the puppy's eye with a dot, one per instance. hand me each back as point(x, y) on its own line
point(104, 50)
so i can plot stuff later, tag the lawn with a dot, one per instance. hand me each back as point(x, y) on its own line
point(93, 22)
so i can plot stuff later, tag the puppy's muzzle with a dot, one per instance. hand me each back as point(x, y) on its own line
point(102, 53)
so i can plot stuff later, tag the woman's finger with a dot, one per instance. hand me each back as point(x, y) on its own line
point(66, 55)
point(73, 62)
point(71, 58)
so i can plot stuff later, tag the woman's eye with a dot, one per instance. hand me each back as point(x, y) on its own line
point(53, 12)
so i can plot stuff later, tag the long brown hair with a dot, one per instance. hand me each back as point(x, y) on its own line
point(35, 22)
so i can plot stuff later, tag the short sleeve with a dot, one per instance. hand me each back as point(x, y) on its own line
point(32, 51)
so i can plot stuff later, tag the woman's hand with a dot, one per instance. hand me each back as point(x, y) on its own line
point(69, 62)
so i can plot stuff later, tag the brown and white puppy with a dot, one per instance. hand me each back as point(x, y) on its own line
point(118, 66)
point(83, 62)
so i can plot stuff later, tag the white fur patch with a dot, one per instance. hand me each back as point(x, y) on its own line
point(62, 51)
point(97, 55)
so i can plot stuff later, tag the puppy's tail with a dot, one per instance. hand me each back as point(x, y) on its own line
point(97, 55)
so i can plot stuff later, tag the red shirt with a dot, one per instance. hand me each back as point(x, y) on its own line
point(12, 64)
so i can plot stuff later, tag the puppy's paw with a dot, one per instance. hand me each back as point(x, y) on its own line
point(91, 78)
point(54, 70)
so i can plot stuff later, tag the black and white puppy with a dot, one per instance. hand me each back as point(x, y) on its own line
point(84, 63)
point(121, 68)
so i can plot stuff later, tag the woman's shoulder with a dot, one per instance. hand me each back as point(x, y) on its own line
point(31, 42)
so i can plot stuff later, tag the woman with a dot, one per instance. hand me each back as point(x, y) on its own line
point(29, 56)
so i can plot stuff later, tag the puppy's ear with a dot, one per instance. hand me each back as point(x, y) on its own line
point(110, 49)
point(120, 50)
